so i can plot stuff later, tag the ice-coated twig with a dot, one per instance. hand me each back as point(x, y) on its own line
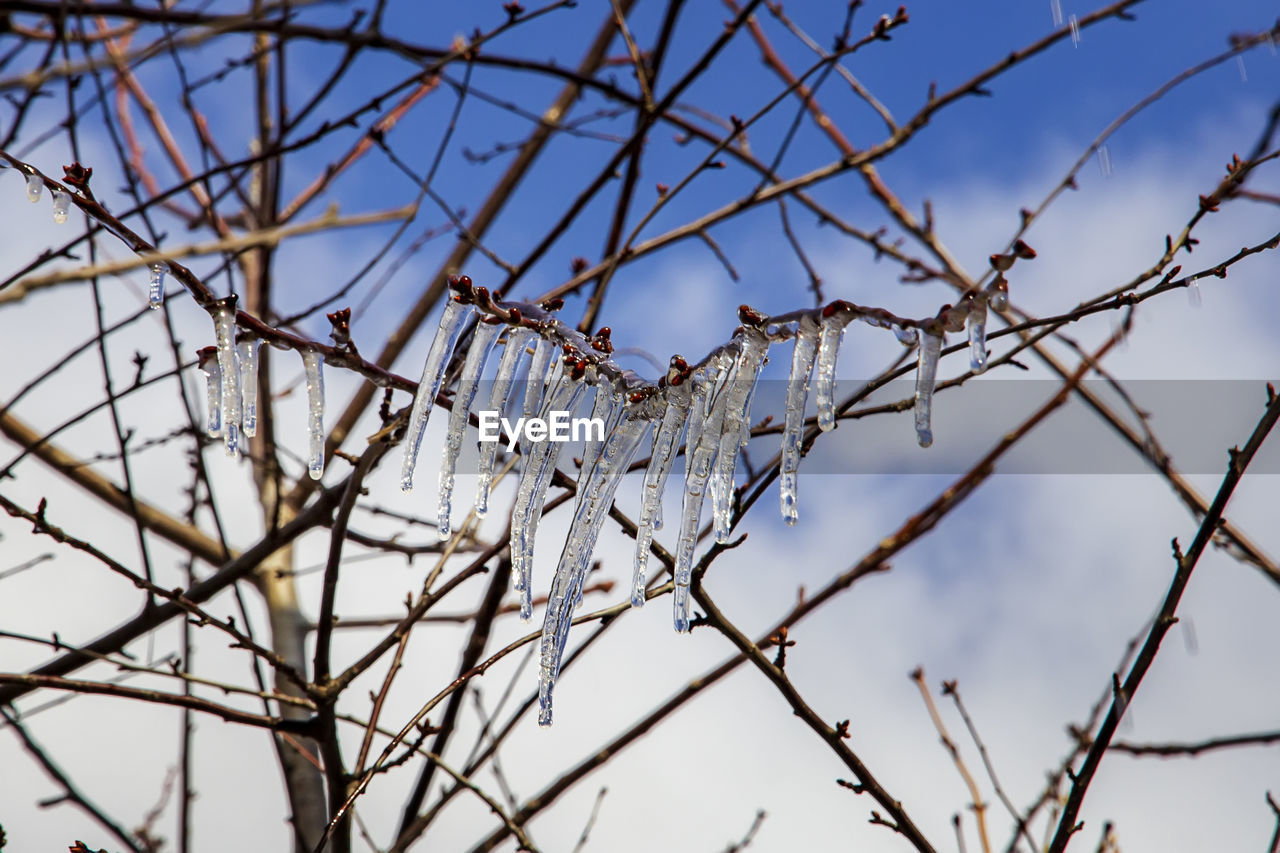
point(34, 186)
point(498, 396)
point(978, 333)
point(481, 343)
point(312, 362)
point(753, 346)
point(247, 354)
point(155, 293)
point(665, 441)
point(830, 336)
point(432, 373)
point(61, 205)
point(802, 358)
point(595, 495)
point(698, 460)
point(926, 374)
point(535, 479)
point(213, 391)
point(224, 330)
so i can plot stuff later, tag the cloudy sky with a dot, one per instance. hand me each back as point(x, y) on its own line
point(1025, 595)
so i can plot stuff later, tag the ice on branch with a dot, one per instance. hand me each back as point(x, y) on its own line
point(753, 346)
point(208, 361)
point(482, 341)
point(455, 313)
point(998, 294)
point(978, 333)
point(595, 495)
point(61, 205)
point(926, 374)
point(312, 362)
point(535, 479)
point(665, 441)
point(34, 186)
point(247, 354)
point(802, 359)
point(700, 451)
point(224, 329)
point(606, 409)
point(831, 334)
point(155, 293)
point(498, 396)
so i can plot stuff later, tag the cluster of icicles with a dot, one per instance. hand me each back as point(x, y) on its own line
point(707, 404)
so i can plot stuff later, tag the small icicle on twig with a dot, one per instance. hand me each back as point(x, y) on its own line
point(498, 396)
point(665, 441)
point(155, 291)
point(802, 359)
point(432, 374)
point(208, 362)
point(830, 334)
point(931, 337)
point(977, 321)
point(312, 363)
point(247, 354)
point(482, 340)
point(700, 451)
point(535, 480)
point(61, 206)
point(595, 495)
point(35, 184)
point(535, 383)
point(754, 346)
point(224, 330)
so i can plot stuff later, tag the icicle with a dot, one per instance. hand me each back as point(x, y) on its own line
point(1075, 31)
point(61, 204)
point(34, 186)
point(830, 336)
point(531, 494)
point(699, 456)
point(605, 409)
point(665, 441)
point(481, 343)
point(737, 425)
point(432, 373)
point(978, 334)
point(224, 328)
point(247, 354)
point(536, 383)
point(1193, 292)
point(802, 358)
point(155, 294)
point(926, 374)
point(595, 494)
point(312, 362)
point(502, 382)
point(213, 391)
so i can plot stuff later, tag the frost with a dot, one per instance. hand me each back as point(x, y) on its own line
point(61, 205)
point(802, 359)
point(247, 353)
point(224, 328)
point(830, 336)
point(432, 373)
point(663, 454)
point(926, 374)
point(481, 343)
point(753, 346)
point(502, 382)
point(311, 363)
point(155, 293)
point(34, 185)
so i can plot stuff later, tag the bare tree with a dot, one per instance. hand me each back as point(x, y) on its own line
point(362, 190)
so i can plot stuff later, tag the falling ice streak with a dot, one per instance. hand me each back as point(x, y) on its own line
point(501, 391)
point(802, 358)
point(665, 441)
point(34, 185)
point(432, 372)
point(595, 495)
point(830, 336)
point(1075, 31)
point(311, 363)
point(1193, 293)
point(213, 397)
point(737, 425)
point(926, 374)
point(535, 479)
point(247, 354)
point(155, 293)
point(481, 343)
point(978, 334)
point(224, 329)
point(61, 204)
point(698, 461)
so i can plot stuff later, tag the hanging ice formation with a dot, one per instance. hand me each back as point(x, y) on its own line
point(247, 354)
point(498, 396)
point(753, 346)
point(455, 312)
point(482, 340)
point(61, 205)
point(224, 328)
point(34, 185)
point(802, 358)
point(926, 375)
point(312, 362)
point(155, 292)
point(208, 362)
point(830, 336)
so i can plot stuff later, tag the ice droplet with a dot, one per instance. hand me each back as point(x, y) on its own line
point(61, 204)
point(35, 184)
